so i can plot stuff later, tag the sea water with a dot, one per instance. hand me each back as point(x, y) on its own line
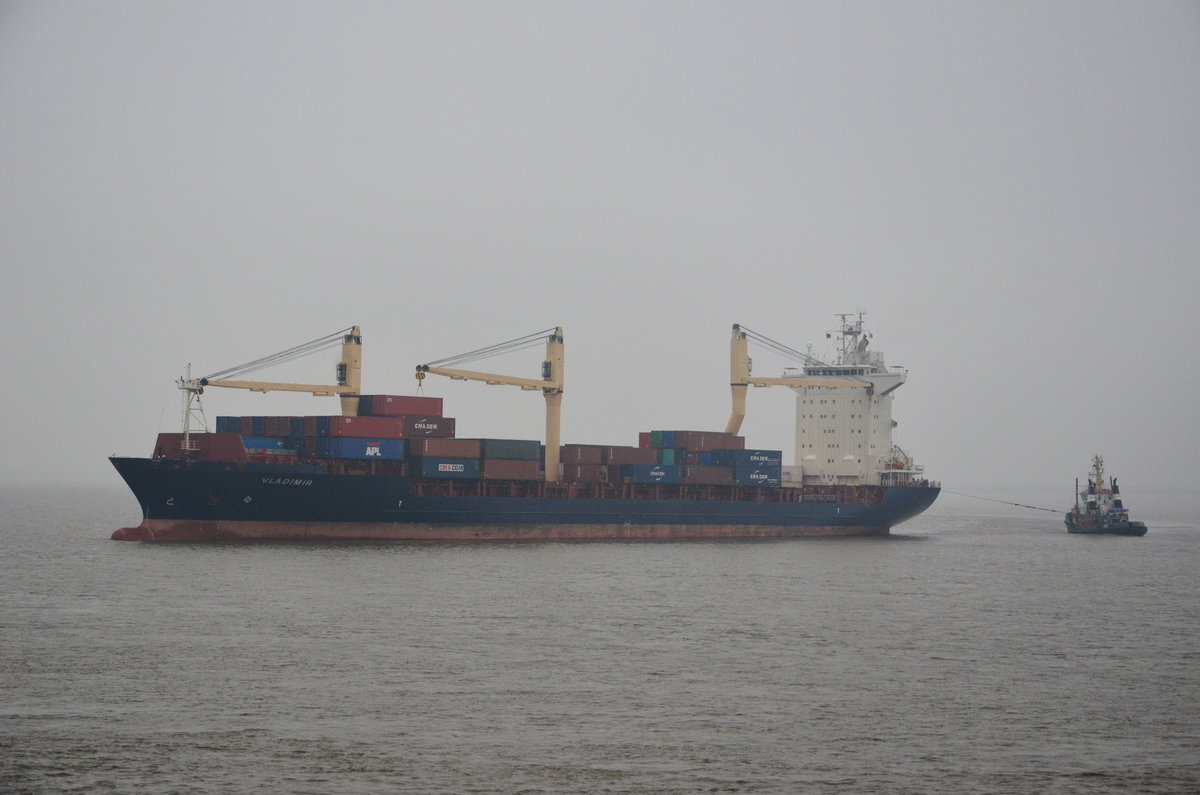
point(976, 650)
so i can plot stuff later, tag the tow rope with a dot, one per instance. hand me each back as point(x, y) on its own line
point(1003, 502)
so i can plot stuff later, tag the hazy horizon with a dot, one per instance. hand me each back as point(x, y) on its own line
point(1009, 191)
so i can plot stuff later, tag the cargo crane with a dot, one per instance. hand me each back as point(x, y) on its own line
point(550, 384)
point(348, 377)
point(740, 366)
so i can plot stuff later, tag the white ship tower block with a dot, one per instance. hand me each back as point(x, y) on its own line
point(844, 435)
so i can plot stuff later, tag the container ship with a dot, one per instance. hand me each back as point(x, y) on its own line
point(392, 468)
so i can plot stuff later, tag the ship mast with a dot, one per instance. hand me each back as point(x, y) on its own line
point(192, 410)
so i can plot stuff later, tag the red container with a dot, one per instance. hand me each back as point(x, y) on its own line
point(582, 454)
point(381, 427)
point(629, 455)
point(708, 476)
point(418, 426)
point(644, 439)
point(709, 440)
point(205, 447)
point(399, 405)
point(279, 426)
point(583, 473)
point(510, 469)
point(441, 447)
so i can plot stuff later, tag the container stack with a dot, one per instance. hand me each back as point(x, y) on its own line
point(412, 432)
point(408, 429)
point(382, 430)
point(674, 457)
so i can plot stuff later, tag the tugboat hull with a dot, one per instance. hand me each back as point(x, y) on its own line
point(1116, 528)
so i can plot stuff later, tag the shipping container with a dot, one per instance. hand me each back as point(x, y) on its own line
point(651, 473)
point(511, 449)
point(644, 439)
point(399, 405)
point(672, 456)
point(511, 469)
point(278, 426)
point(708, 476)
point(365, 448)
point(298, 427)
point(246, 426)
point(258, 426)
point(581, 454)
point(229, 425)
point(758, 476)
point(416, 426)
point(584, 473)
point(708, 440)
point(383, 427)
point(629, 455)
point(203, 447)
point(742, 458)
point(442, 447)
point(454, 468)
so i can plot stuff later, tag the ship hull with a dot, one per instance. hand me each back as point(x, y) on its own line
point(1112, 528)
point(223, 503)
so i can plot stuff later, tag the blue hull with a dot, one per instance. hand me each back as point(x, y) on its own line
point(241, 502)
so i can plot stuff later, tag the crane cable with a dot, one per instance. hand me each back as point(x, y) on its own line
point(780, 348)
point(520, 343)
point(792, 353)
point(1004, 502)
point(296, 352)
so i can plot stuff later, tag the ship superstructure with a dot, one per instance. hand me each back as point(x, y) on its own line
point(843, 409)
point(845, 435)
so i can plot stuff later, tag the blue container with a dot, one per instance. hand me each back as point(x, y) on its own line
point(229, 424)
point(360, 449)
point(751, 459)
point(651, 473)
point(322, 425)
point(259, 426)
point(460, 468)
point(758, 476)
point(270, 443)
point(297, 426)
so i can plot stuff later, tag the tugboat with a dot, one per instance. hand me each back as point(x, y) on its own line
point(1101, 509)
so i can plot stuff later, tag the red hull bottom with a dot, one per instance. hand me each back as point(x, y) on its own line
point(191, 531)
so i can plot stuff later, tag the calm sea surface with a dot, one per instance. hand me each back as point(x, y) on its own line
point(977, 650)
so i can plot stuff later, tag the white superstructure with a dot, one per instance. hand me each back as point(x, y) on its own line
point(844, 433)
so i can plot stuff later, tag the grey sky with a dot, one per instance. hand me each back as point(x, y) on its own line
point(1009, 190)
